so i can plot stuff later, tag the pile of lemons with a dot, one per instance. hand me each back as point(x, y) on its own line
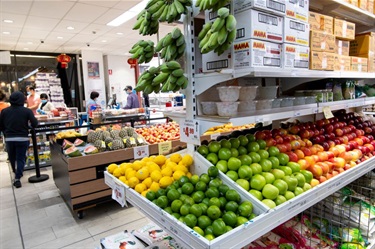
point(152, 173)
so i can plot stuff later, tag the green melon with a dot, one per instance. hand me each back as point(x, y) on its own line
point(67, 144)
point(79, 142)
point(91, 150)
point(72, 152)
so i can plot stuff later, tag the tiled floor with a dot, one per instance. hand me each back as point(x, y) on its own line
point(36, 217)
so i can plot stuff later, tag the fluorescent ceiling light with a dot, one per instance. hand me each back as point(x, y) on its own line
point(28, 75)
point(104, 40)
point(29, 42)
point(127, 15)
point(70, 28)
point(8, 21)
point(119, 33)
point(25, 48)
point(60, 37)
point(6, 33)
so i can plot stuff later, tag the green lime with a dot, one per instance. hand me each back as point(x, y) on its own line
point(189, 200)
point(176, 215)
point(218, 227)
point(232, 195)
point(176, 205)
point(151, 195)
point(230, 218)
point(194, 179)
point(185, 209)
point(162, 201)
point(245, 209)
point(168, 210)
point(173, 194)
point(206, 201)
point(161, 192)
point(204, 221)
point(203, 207)
point(223, 201)
point(183, 180)
point(241, 220)
point(228, 228)
point(190, 220)
point(212, 192)
point(198, 230)
point(187, 188)
point(216, 182)
point(196, 210)
point(205, 178)
point(214, 201)
point(231, 206)
point(209, 237)
point(213, 212)
point(213, 171)
point(198, 196)
point(209, 229)
point(200, 186)
point(203, 150)
point(223, 189)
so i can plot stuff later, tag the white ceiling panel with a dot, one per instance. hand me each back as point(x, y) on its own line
point(41, 23)
point(85, 12)
point(13, 32)
point(108, 4)
point(54, 36)
point(52, 9)
point(16, 7)
point(78, 26)
point(18, 20)
point(127, 4)
point(108, 16)
point(34, 33)
point(96, 29)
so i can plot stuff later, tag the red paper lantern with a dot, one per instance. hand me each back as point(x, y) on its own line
point(64, 60)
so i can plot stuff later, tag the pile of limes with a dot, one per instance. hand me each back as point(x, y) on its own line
point(152, 173)
point(204, 204)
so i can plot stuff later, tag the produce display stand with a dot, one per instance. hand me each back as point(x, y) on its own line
point(80, 179)
point(266, 220)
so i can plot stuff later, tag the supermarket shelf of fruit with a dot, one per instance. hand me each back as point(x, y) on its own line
point(59, 121)
point(253, 229)
point(345, 10)
point(205, 81)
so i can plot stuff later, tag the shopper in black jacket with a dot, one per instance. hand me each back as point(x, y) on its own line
point(15, 122)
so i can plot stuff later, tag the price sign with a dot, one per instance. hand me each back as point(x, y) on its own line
point(327, 112)
point(165, 147)
point(118, 194)
point(141, 152)
point(189, 132)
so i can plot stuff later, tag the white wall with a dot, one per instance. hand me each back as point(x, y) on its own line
point(94, 83)
point(122, 75)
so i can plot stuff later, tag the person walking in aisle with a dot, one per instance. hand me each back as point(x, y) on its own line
point(15, 122)
point(132, 100)
point(92, 104)
point(45, 106)
point(33, 101)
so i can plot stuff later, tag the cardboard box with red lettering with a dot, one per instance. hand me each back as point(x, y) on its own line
point(296, 32)
point(322, 61)
point(256, 53)
point(211, 62)
point(295, 56)
point(253, 24)
point(272, 6)
point(319, 22)
point(342, 63)
point(297, 9)
point(342, 47)
point(343, 29)
point(322, 42)
point(359, 64)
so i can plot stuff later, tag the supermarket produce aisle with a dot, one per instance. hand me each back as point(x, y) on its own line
point(35, 216)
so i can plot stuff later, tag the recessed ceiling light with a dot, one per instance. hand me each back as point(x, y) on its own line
point(104, 40)
point(119, 33)
point(29, 42)
point(6, 32)
point(60, 37)
point(25, 48)
point(70, 28)
point(8, 21)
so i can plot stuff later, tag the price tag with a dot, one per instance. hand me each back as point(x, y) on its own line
point(327, 112)
point(334, 185)
point(189, 132)
point(297, 113)
point(118, 194)
point(315, 110)
point(165, 147)
point(141, 152)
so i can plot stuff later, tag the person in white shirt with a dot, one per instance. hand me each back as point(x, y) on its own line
point(45, 106)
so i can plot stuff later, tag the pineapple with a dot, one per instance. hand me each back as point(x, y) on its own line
point(115, 134)
point(123, 133)
point(117, 144)
point(105, 135)
point(100, 145)
point(131, 132)
point(108, 140)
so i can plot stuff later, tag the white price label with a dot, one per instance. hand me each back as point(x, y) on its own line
point(297, 114)
point(315, 110)
point(165, 148)
point(189, 132)
point(327, 112)
point(334, 185)
point(118, 194)
point(141, 152)
point(214, 136)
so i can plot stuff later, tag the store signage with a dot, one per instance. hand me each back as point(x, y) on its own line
point(165, 148)
point(327, 112)
point(141, 152)
point(189, 132)
point(118, 194)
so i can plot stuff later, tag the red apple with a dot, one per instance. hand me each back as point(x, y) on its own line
point(295, 145)
point(292, 156)
point(270, 142)
point(316, 170)
point(299, 154)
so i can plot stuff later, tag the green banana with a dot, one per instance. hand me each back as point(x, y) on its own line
point(156, 88)
point(160, 78)
point(180, 40)
point(176, 32)
point(150, 3)
point(179, 7)
point(232, 36)
point(223, 12)
point(159, 46)
point(230, 23)
point(173, 65)
point(133, 50)
point(205, 29)
point(163, 16)
point(172, 78)
point(164, 88)
point(172, 13)
point(222, 37)
point(149, 56)
point(162, 54)
point(185, 84)
point(163, 68)
point(158, 13)
point(168, 40)
point(212, 42)
point(153, 70)
point(180, 81)
point(181, 49)
point(148, 89)
point(138, 23)
point(178, 72)
point(218, 24)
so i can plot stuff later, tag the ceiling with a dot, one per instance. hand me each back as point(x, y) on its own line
point(41, 26)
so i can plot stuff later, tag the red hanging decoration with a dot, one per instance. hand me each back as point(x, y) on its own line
point(64, 60)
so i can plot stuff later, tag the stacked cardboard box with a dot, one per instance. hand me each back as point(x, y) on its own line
point(364, 46)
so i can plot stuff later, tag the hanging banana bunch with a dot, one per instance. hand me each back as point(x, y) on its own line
point(218, 35)
point(145, 81)
point(167, 10)
point(145, 24)
point(172, 46)
point(171, 77)
point(143, 51)
point(211, 4)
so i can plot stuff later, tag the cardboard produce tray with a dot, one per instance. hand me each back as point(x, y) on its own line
point(235, 238)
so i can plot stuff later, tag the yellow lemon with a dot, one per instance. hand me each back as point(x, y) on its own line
point(142, 174)
point(112, 168)
point(144, 193)
point(182, 168)
point(152, 166)
point(126, 165)
point(167, 161)
point(160, 160)
point(128, 169)
point(133, 181)
point(117, 172)
point(167, 171)
point(155, 186)
point(140, 187)
point(188, 174)
point(187, 160)
point(178, 174)
point(147, 182)
point(137, 165)
point(146, 159)
point(122, 179)
point(130, 174)
point(171, 164)
point(176, 158)
point(165, 181)
point(156, 175)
